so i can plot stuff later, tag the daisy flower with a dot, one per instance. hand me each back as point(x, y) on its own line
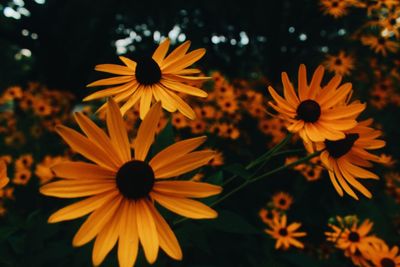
point(121, 189)
point(316, 114)
point(346, 159)
point(159, 76)
point(285, 235)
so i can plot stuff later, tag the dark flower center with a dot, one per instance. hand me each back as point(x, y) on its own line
point(338, 62)
point(147, 71)
point(282, 202)
point(386, 262)
point(392, 22)
point(381, 41)
point(283, 232)
point(308, 111)
point(340, 147)
point(354, 237)
point(135, 179)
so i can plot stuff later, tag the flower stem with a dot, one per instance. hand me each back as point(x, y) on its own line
point(257, 178)
point(264, 158)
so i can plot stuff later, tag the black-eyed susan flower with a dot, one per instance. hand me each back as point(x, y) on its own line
point(267, 215)
point(159, 77)
point(346, 159)
point(380, 45)
point(121, 189)
point(383, 256)
point(340, 64)
point(354, 238)
point(3, 174)
point(22, 176)
point(282, 200)
point(285, 235)
point(391, 24)
point(316, 114)
point(24, 161)
point(335, 8)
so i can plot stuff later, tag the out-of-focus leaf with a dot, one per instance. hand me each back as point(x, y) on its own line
point(164, 139)
point(231, 222)
point(239, 170)
point(6, 231)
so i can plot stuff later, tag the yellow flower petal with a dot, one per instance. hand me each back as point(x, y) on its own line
point(132, 100)
point(77, 188)
point(147, 230)
point(98, 137)
point(172, 152)
point(86, 148)
point(130, 86)
point(302, 82)
point(117, 131)
point(181, 105)
point(145, 101)
point(107, 238)
point(81, 208)
point(183, 88)
point(128, 244)
point(185, 164)
point(186, 189)
point(115, 69)
point(288, 91)
point(175, 54)
point(160, 95)
point(112, 81)
point(82, 170)
point(161, 51)
point(167, 238)
point(147, 131)
point(96, 222)
point(316, 82)
point(185, 207)
point(129, 63)
point(184, 61)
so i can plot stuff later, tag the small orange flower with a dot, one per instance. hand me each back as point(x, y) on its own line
point(341, 64)
point(22, 176)
point(282, 200)
point(285, 235)
point(380, 44)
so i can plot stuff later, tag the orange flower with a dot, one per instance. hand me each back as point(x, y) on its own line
point(285, 235)
point(316, 114)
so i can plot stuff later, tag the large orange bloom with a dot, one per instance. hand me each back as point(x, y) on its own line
point(316, 114)
point(121, 189)
point(346, 159)
point(159, 76)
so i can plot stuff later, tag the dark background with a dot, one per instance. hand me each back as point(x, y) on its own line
point(73, 36)
point(62, 41)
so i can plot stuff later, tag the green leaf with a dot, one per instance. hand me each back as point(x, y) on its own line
point(239, 170)
point(164, 139)
point(5, 232)
point(231, 222)
point(217, 179)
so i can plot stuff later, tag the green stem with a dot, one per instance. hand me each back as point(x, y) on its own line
point(265, 157)
point(297, 162)
point(270, 152)
point(250, 181)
